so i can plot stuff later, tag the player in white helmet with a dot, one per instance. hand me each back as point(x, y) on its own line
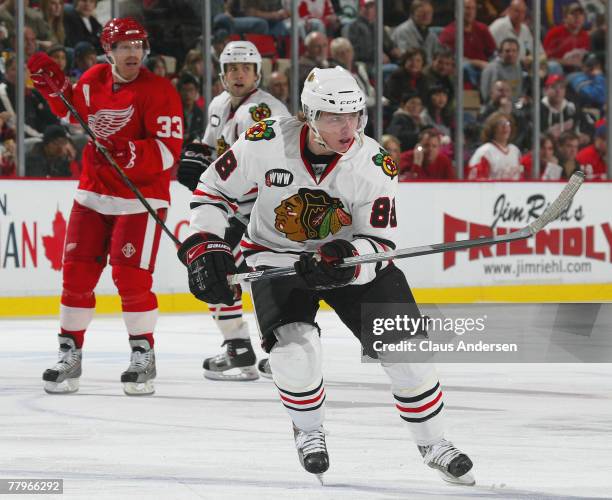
point(325, 192)
point(233, 111)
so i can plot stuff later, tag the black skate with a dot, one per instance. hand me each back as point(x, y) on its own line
point(452, 465)
point(137, 380)
point(264, 368)
point(312, 451)
point(237, 363)
point(63, 378)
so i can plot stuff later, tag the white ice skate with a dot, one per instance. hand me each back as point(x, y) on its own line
point(312, 451)
point(237, 363)
point(137, 380)
point(453, 465)
point(63, 378)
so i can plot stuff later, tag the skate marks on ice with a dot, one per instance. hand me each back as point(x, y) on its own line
point(536, 428)
point(203, 486)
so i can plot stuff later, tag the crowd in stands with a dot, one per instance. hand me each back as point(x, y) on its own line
point(419, 102)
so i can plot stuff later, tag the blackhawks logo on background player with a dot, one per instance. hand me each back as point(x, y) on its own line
point(311, 214)
point(222, 146)
point(260, 111)
point(384, 160)
point(261, 130)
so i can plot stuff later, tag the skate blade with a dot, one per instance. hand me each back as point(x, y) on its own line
point(320, 478)
point(68, 386)
point(264, 363)
point(265, 375)
point(139, 388)
point(234, 374)
point(466, 480)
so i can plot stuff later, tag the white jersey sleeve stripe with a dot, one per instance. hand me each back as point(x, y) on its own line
point(166, 155)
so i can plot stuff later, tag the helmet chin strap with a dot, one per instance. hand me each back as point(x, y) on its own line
point(115, 72)
point(226, 86)
point(358, 135)
point(119, 78)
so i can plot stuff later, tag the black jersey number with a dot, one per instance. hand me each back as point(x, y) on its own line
point(226, 164)
point(383, 213)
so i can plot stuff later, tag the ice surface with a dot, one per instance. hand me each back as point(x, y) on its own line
point(533, 430)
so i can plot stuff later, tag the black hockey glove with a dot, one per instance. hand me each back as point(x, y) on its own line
point(194, 162)
point(209, 260)
point(318, 270)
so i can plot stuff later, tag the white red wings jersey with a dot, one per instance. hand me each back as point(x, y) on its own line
point(490, 161)
point(296, 210)
point(226, 124)
point(146, 111)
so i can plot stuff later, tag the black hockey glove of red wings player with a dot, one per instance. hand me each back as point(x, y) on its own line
point(209, 260)
point(195, 159)
point(318, 269)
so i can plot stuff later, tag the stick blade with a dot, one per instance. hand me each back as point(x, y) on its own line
point(556, 207)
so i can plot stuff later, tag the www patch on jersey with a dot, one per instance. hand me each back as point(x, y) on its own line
point(295, 209)
point(311, 214)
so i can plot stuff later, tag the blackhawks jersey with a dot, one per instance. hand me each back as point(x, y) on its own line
point(296, 210)
point(226, 124)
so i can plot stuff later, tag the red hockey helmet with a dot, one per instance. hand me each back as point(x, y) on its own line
point(120, 30)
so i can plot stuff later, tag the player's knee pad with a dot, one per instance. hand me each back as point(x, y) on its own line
point(296, 357)
point(134, 286)
point(78, 282)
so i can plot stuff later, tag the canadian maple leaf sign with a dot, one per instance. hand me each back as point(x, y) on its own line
point(54, 244)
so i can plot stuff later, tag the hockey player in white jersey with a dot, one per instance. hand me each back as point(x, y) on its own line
point(325, 192)
point(240, 106)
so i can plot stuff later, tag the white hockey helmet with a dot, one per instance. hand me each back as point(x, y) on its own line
point(240, 52)
point(333, 90)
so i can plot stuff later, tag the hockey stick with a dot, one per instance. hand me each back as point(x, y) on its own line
point(550, 214)
point(111, 160)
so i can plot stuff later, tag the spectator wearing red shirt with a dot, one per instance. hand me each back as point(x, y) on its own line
point(479, 45)
point(569, 42)
point(548, 161)
point(593, 158)
point(426, 161)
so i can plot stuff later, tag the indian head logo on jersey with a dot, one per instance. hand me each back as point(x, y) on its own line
point(106, 122)
point(311, 214)
point(384, 160)
point(260, 130)
point(260, 111)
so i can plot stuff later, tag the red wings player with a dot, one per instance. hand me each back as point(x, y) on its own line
point(137, 116)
